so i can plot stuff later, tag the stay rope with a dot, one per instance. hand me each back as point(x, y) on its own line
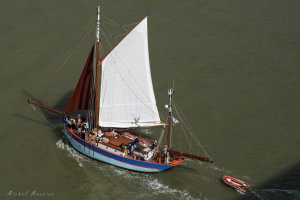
point(42, 115)
point(82, 36)
point(188, 128)
point(116, 24)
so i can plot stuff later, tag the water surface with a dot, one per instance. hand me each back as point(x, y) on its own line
point(235, 66)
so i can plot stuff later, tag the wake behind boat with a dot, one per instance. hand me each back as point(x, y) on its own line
point(117, 98)
point(236, 183)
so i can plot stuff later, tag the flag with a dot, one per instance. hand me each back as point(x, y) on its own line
point(175, 120)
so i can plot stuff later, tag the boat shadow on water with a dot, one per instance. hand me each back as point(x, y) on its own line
point(47, 118)
point(285, 185)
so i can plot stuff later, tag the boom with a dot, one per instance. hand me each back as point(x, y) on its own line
point(45, 107)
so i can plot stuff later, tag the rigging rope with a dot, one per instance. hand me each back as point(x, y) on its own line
point(189, 128)
point(116, 24)
point(113, 36)
point(84, 35)
point(113, 24)
point(91, 103)
point(107, 35)
point(41, 115)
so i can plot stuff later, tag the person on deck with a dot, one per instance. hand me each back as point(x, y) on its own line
point(79, 120)
point(137, 144)
point(99, 138)
point(136, 140)
point(125, 150)
point(165, 151)
point(129, 148)
point(79, 130)
point(68, 120)
point(165, 156)
point(154, 144)
point(132, 149)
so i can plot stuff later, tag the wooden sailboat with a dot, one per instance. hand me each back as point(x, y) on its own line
point(117, 93)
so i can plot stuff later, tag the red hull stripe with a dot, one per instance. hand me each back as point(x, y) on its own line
point(130, 161)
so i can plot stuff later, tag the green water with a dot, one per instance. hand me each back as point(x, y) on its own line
point(235, 65)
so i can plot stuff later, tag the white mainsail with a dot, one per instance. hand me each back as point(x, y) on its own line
point(127, 97)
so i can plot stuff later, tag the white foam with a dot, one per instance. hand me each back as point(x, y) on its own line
point(151, 184)
point(70, 151)
point(158, 187)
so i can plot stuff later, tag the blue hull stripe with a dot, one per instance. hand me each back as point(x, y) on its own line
point(120, 161)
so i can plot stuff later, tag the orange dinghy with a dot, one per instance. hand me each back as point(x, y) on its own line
point(236, 183)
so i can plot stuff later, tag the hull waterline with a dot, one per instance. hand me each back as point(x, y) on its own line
point(119, 160)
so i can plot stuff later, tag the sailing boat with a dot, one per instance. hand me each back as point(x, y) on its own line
point(117, 98)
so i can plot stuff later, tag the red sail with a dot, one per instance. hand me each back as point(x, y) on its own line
point(83, 91)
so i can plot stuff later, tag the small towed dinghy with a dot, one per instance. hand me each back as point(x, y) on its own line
point(236, 183)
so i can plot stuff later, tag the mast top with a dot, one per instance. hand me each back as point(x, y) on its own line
point(98, 25)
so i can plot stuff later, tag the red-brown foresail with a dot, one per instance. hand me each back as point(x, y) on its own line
point(83, 91)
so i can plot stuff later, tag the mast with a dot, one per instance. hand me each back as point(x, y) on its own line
point(97, 46)
point(170, 92)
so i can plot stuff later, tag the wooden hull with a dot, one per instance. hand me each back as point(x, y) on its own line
point(236, 183)
point(111, 156)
